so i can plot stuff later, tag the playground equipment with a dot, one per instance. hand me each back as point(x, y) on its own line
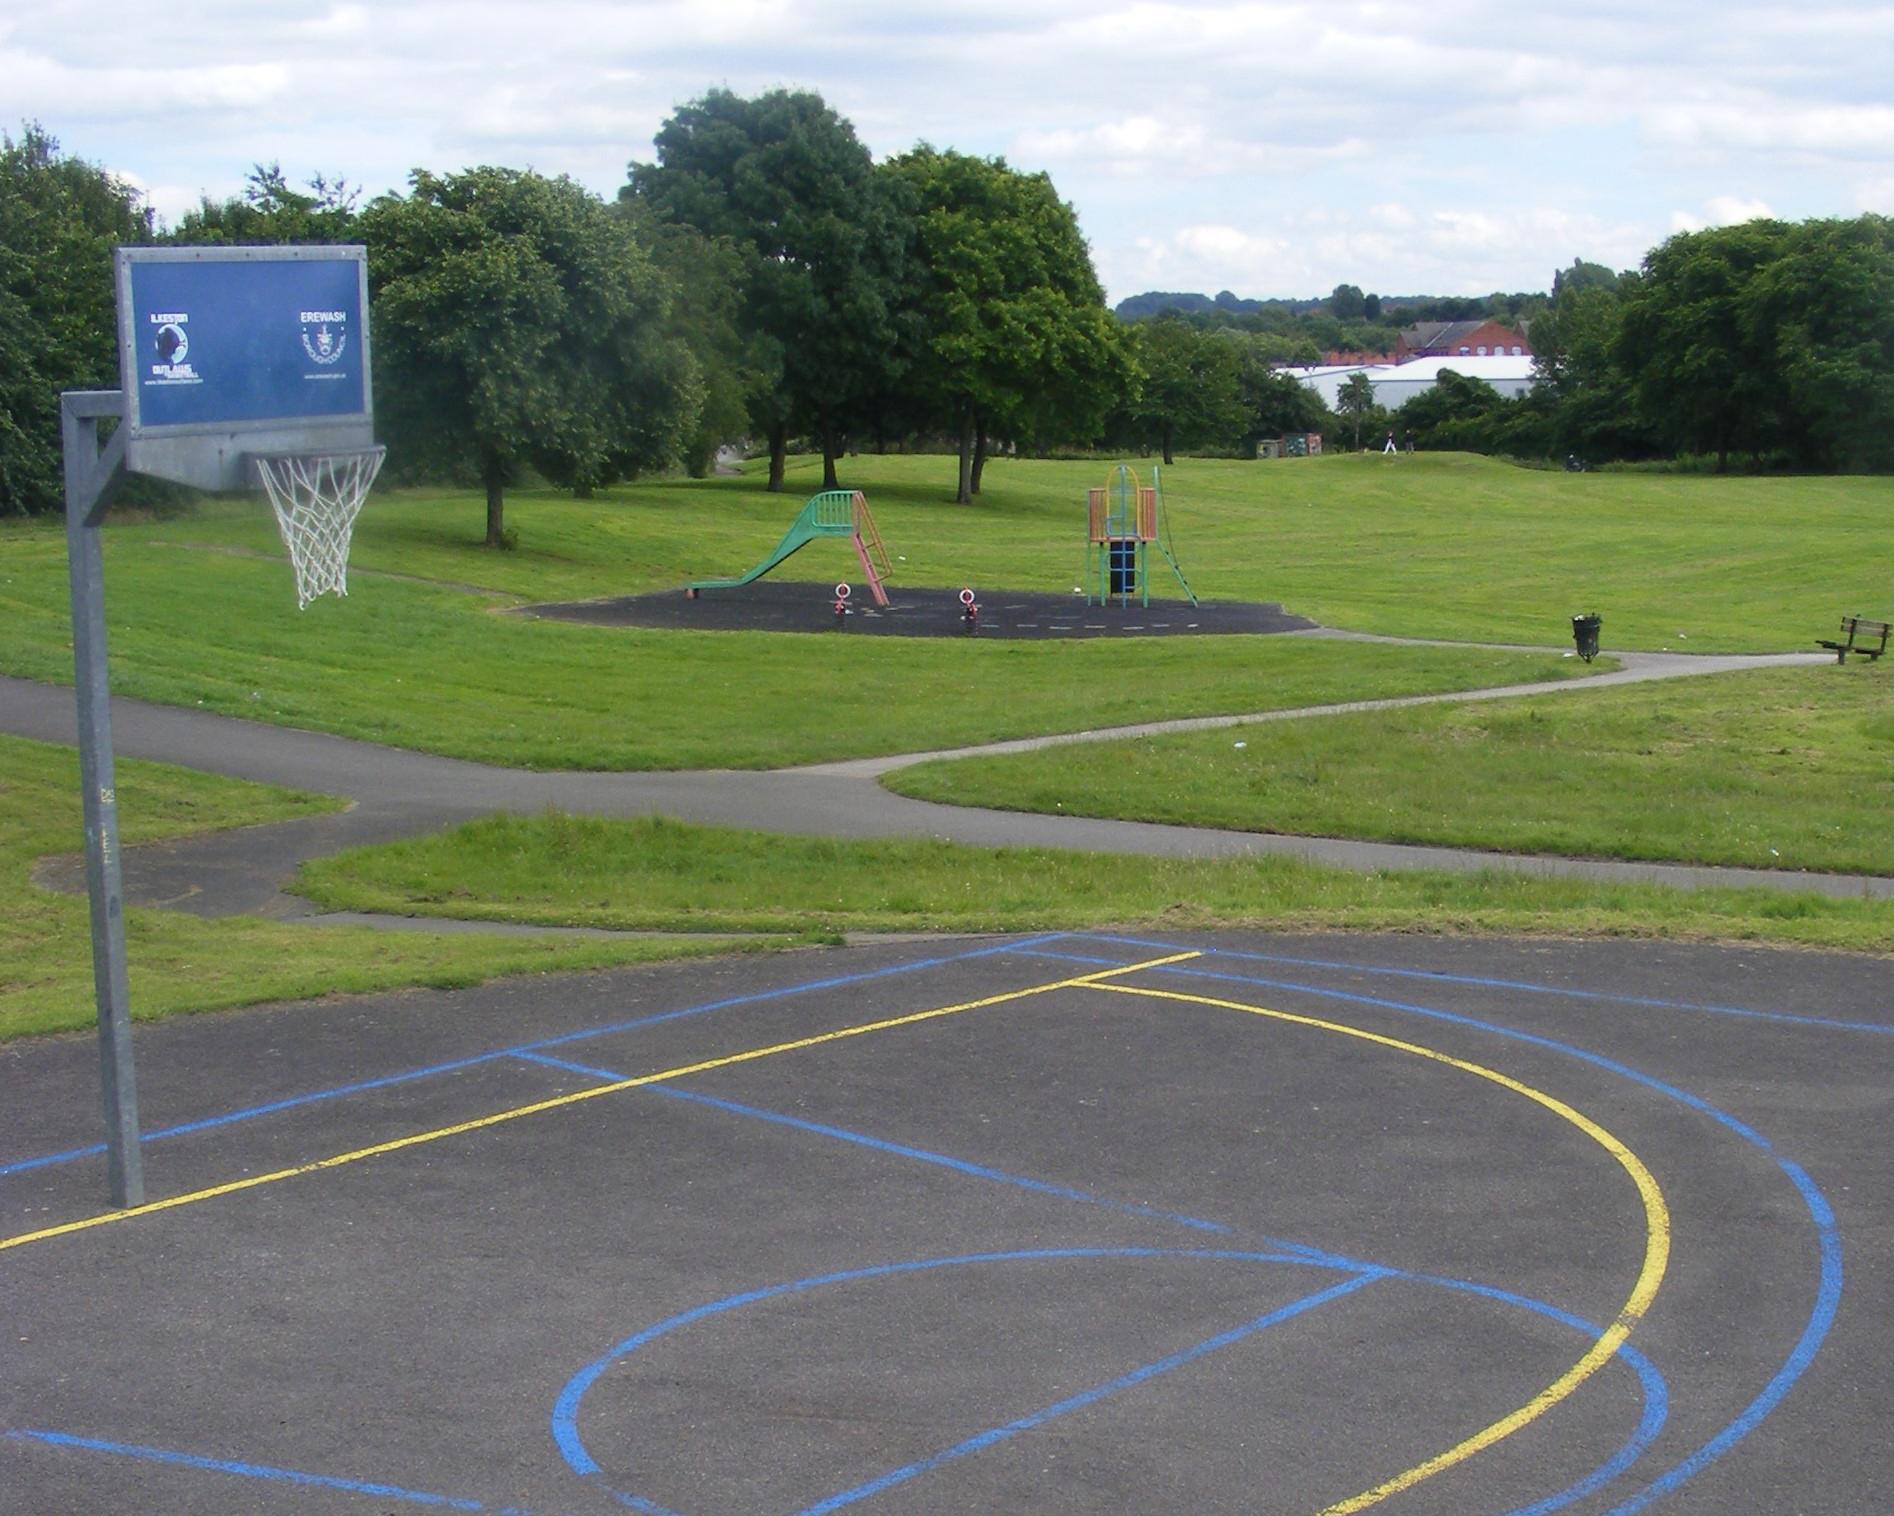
point(969, 610)
point(1126, 520)
point(833, 513)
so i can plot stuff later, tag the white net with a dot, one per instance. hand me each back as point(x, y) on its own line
point(316, 497)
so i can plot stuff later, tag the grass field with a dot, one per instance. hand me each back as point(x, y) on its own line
point(423, 661)
point(1765, 769)
point(427, 653)
point(663, 875)
point(181, 963)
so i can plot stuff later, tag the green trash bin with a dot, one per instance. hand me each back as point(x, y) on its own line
point(1585, 635)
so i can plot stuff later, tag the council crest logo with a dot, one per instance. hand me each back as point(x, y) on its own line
point(325, 336)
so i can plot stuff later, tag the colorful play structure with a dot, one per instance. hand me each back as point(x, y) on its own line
point(833, 513)
point(1126, 521)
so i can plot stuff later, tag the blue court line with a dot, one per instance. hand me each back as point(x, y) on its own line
point(564, 1425)
point(251, 1113)
point(1655, 1392)
point(1084, 1398)
point(921, 1155)
point(1524, 986)
point(259, 1471)
point(1828, 1237)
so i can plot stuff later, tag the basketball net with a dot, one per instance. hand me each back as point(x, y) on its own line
point(316, 497)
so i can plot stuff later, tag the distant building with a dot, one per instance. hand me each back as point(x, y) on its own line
point(1327, 379)
point(1394, 387)
point(1460, 339)
point(1397, 383)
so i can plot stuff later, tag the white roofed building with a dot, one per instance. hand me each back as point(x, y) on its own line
point(1397, 383)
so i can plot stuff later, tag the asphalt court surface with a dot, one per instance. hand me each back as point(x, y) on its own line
point(1077, 1223)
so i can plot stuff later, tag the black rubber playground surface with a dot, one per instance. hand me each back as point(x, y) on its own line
point(785, 606)
point(1067, 1224)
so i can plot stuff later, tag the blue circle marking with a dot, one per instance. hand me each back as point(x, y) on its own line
point(564, 1423)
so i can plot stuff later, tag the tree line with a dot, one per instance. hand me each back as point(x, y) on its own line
point(763, 278)
point(1346, 320)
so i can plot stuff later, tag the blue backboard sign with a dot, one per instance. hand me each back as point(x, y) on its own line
point(227, 352)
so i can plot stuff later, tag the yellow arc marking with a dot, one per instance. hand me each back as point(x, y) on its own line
point(256, 1181)
point(1650, 1276)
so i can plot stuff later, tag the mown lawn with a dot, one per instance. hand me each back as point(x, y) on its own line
point(1789, 768)
point(428, 666)
point(428, 652)
point(665, 875)
point(178, 963)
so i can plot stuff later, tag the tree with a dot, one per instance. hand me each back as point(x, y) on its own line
point(1825, 312)
point(1354, 401)
point(1273, 403)
point(1347, 303)
point(1582, 276)
point(1574, 345)
point(61, 218)
point(518, 322)
point(738, 369)
point(783, 178)
point(1014, 330)
point(269, 211)
point(1457, 412)
point(1701, 378)
point(1189, 392)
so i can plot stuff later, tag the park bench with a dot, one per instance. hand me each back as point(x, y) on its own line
point(1858, 635)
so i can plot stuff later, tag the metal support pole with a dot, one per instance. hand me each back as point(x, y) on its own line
point(92, 475)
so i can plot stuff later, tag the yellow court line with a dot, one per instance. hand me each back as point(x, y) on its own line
point(1650, 1276)
point(255, 1181)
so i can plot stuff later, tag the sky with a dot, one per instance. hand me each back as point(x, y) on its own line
point(1451, 147)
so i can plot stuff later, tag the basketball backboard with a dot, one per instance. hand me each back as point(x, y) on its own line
point(228, 352)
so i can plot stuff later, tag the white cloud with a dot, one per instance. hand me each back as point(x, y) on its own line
point(1720, 210)
point(1776, 126)
point(1148, 144)
point(1392, 248)
point(1389, 145)
point(1876, 195)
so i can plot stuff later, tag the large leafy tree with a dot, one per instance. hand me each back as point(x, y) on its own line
point(1592, 412)
point(519, 322)
point(783, 179)
point(1701, 378)
point(60, 218)
point(1825, 313)
point(1016, 338)
point(1190, 391)
point(740, 369)
point(1277, 404)
point(269, 211)
point(1457, 412)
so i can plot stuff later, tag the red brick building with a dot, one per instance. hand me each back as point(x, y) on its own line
point(1460, 339)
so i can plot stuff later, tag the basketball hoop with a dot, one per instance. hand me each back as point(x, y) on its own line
point(316, 497)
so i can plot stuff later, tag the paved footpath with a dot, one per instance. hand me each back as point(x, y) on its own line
point(399, 793)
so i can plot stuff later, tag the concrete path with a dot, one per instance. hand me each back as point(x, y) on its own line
point(397, 793)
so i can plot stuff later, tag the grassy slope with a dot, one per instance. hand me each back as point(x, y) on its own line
point(422, 665)
point(666, 875)
point(1444, 546)
point(1785, 768)
point(181, 963)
